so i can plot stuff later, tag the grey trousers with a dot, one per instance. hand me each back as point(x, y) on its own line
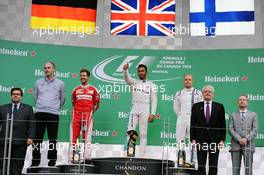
point(236, 161)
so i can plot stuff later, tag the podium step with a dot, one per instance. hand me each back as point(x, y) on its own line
point(180, 171)
point(38, 169)
point(63, 169)
point(76, 169)
point(111, 165)
point(126, 165)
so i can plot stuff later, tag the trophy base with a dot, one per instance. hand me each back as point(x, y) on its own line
point(111, 165)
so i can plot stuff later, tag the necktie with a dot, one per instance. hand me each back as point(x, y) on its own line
point(243, 116)
point(15, 109)
point(207, 112)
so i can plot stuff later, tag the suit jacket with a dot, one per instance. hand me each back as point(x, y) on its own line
point(24, 123)
point(243, 129)
point(215, 130)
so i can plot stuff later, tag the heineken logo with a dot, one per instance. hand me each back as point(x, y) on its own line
point(254, 60)
point(14, 52)
point(40, 73)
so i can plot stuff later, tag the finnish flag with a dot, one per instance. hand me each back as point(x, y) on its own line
point(222, 17)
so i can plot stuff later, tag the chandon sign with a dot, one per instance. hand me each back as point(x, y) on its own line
point(131, 167)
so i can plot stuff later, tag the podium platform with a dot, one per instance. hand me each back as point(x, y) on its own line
point(77, 169)
point(180, 171)
point(126, 165)
point(37, 169)
point(64, 169)
point(111, 165)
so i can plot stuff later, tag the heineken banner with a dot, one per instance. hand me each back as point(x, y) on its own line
point(231, 72)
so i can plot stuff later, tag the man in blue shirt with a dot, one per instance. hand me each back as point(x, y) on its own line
point(49, 93)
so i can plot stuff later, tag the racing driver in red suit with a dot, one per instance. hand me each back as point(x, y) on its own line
point(85, 101)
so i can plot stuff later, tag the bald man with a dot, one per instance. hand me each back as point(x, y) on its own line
point(49, 94)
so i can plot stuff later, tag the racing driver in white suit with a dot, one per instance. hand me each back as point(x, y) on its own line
point(144, 103)
point(182, 106)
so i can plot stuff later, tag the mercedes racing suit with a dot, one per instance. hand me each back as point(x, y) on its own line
point(85, 100)
point(144, 103)
point(182, 106)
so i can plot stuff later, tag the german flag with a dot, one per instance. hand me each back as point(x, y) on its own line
point(65, 15)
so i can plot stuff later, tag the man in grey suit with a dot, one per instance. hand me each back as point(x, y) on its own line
point(243, 126)
point(23, 130)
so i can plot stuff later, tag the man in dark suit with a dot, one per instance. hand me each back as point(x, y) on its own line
point(208, 130)
point(23, 130)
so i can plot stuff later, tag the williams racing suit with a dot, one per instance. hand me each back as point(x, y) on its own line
point(182, 106)
point(85, 100)
point(144, 103)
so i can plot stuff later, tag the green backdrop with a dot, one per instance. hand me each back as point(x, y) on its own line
point(231, 72)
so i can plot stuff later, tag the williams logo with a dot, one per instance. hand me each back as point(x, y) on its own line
point(111, 69)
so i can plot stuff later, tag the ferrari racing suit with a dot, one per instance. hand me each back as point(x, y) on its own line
point(85, 100)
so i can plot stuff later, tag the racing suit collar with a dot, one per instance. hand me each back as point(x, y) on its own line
point(190, 89)
point(85, 87)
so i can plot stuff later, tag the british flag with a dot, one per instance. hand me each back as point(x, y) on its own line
point(143, 17)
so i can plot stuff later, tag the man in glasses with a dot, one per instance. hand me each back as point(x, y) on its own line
point(144, 103)
point(23, 131)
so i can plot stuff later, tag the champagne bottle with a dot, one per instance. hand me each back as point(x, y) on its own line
point(76, 152)
point(131, 144)
point(131, 148)
point(181, 155)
